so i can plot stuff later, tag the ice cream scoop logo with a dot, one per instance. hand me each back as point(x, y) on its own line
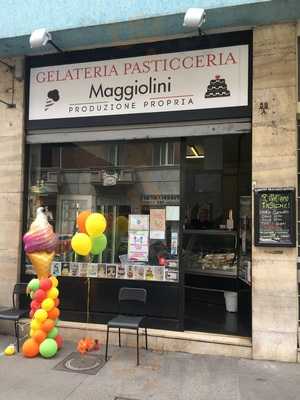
point(52, 97)
point(217, 88)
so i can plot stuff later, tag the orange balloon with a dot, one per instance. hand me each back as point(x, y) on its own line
point(81, 220)
point(47, 325)
point(30, 348)
point(54, 313)
point(56, 302)
point(39, 336)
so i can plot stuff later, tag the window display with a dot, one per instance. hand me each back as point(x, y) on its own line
point(210, 252)
point(134, 185)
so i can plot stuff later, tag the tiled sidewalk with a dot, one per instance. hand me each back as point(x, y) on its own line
point(161, 376)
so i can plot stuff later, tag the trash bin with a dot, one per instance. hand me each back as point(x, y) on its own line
point(231, 301)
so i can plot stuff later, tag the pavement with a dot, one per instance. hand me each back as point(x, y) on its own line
point(161, 376)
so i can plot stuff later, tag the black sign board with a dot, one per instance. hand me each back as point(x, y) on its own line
point(275, 217)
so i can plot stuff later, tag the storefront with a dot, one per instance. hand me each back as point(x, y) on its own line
point(158, 138)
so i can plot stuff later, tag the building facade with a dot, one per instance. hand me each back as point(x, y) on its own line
point(248, 145)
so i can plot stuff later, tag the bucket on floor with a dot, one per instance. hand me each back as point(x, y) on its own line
point(231, 301)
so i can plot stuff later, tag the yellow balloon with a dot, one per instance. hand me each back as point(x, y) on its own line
point(31, 332)
point(81, 244)
point(52, 293)
point(47, 305)
point(54, 281)
point(41, 315)
point(35, 324)
point(95, 224)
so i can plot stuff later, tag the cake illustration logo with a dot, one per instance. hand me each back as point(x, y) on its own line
point(52, 97)
point(217, 88)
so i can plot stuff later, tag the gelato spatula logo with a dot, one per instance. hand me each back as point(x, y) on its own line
point(52, 97)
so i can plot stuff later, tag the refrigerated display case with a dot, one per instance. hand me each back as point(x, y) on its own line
point(210, 252)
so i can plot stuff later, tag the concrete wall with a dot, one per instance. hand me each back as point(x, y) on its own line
point(11, 184)
point(275, 302)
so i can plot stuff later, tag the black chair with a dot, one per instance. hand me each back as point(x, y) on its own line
point(132, 313)
point(15, 313)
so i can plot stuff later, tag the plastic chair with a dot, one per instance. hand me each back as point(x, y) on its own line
point(134, 301)
point(15, 313)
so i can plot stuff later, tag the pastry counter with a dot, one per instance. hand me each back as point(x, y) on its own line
point(210, 252)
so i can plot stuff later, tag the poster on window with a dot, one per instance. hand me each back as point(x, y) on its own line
point(138, 245)
point(138, 222)
point(174, 243)
point(157, 223)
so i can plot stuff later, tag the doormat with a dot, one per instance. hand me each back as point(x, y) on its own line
point(88, 364)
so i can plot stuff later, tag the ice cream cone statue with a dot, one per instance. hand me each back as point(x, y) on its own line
point(39, 243)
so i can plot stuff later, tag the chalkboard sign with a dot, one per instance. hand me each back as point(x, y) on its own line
point(274, 217)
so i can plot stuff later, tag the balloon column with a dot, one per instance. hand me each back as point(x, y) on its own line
point(44, 337)
point(90, 239)
point(39, 243)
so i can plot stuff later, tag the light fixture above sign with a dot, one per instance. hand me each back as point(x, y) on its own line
point(40, 38)
point(194, 18)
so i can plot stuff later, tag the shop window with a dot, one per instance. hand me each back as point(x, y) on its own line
point(166, 153)
point(298, 213)
point(298, 52)
point(119, 180)
point(135, 154)
point(87, 155)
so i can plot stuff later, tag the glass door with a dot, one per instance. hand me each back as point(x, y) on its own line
point(217, 180)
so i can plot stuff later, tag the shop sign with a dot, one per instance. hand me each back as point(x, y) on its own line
point(275, 217)
point(160, 199)
point(181, 81)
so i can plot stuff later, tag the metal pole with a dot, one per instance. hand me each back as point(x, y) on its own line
point(11, 67)
point(9, 105)
point(56, 47)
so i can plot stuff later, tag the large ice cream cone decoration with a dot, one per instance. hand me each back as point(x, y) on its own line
point(39, 244)
point(41, 262)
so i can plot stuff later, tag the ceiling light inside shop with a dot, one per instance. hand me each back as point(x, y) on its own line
point(195, 151)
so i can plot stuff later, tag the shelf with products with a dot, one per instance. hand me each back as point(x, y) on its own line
point(130, 271)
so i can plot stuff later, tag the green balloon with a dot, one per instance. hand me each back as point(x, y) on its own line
point(99, 244)
point(53, 333)
point(34, 284)
point(48, 348)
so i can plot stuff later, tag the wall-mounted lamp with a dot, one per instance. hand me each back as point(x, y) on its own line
point(194, 18)
point(40, 38)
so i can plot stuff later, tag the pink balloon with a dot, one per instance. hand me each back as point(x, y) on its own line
point(40, 295)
